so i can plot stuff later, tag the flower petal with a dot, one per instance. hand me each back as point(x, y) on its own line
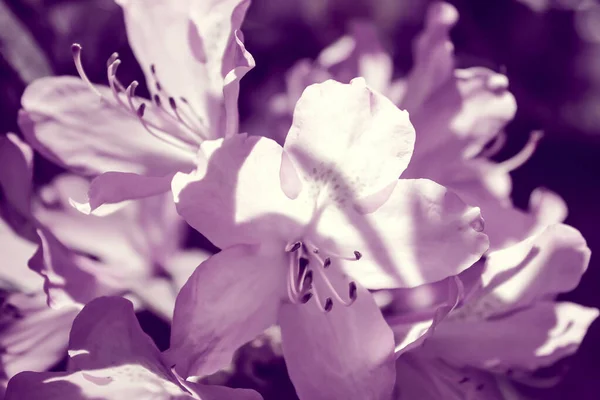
point(534, 337)
point(211, 392)
point(230, 298)
point(77, 386)
point(433, 54)
point(415, 312)
point(34, 337)
point(349, 140)
point(236, 196)
point(359, 54)
point(192, 54)
point(66, 122)
point(16, 164)
point(403, 242)
point(106, 333)
point(16, 252)
point(346, 353)
point(112, 188)
point(99, 385)
point(542, 266)
point(69, 279)
point(424, 378)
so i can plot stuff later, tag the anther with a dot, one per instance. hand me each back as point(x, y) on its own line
point(357, 254)
point(293, 247)
point(327, 262)
point(479, 387)
point(302, 264)
point(463, 380)
point(328, 304)
point(113, 57)
point(304, 299)
point(307, 282)
point(157, 100)
point(141, 109)
point(153, 69)
point(172, 103)
point(352, 291)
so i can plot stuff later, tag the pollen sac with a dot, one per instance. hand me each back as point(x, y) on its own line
point(352, 291)
point(357, 254)
point(294, 247)
point(304, 299)
point(328, 305)
point(327, 262)
point(141, 109)
point(308, 279)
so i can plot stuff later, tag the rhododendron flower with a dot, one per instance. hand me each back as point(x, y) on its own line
point(112, 358)
point(293, 221)
point(455, 112)
point(509, 322)
point(193, 58)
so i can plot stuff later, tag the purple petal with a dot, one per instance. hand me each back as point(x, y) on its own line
point(226, 202)
point(16, 163)
point(423, 378)
point(349, 140)
point(403, 242)
point(68, 123)
point(540, 267)
point(106, 333)
point(346, 353)
point(69, 279)
point(34, 337)
point(531, 338)
point(230, 298)
point(191, 54)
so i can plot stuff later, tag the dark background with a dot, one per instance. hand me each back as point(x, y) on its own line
point(551, 56)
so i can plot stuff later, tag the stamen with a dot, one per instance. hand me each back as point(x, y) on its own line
point(352, 291)
point(76, 50)
point(325, 307)
point(328, 304)
point(327, 282)
point(167, 139)
point(327, 262)
point(157, 100)
point(314, 249)
point(306, 297)
point(293, 247)
point(185, 123)
point(526, 152)
point(140, 110)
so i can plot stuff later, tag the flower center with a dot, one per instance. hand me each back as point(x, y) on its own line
point(180, 126)
point(308, 263)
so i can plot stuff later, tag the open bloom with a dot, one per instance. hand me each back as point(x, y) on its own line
point(508, 324)
point(193, 58)
point(112, 358)
point(293, 222)
point(458, 115)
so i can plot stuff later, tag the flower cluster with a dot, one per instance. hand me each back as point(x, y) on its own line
point(358, 224)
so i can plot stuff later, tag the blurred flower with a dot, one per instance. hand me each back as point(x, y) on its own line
point(112, 358)
point(328, 200)
point(135, 252)
point(508, 323)
point(137, 145)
